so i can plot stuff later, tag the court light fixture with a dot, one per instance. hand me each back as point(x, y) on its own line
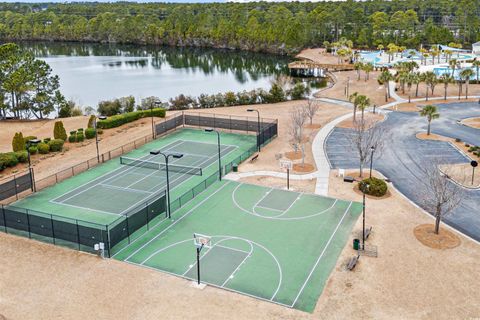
point(208, 130)
point(155, 152)
point(219, 152)
point(258, 127)
point(102, 117)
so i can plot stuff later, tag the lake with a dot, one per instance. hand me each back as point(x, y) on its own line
point(90, 73)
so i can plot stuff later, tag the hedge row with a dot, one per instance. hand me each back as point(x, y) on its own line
point(118, 120)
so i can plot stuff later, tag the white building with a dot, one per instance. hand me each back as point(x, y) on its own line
point(476, 48)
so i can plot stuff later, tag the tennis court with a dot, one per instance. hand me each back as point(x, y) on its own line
point(271, 244)
point(122, 185)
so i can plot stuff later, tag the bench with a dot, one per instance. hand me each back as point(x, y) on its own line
point(352, 263)
point(254, 158)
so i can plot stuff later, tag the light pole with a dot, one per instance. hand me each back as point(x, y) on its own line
point(371, 160)
point(158, 103)
point(365, 188)
point(96, 134)
point(166, 156)
point(474, 164)
point(258, 126)
point(29, 144)
point(219, 152)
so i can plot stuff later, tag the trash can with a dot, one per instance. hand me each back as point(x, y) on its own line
point(356, 244)
point(235, 167)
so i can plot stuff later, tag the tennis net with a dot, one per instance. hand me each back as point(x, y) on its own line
point(160, 166)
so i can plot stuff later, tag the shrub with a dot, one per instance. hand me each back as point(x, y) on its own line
point(80, 130)
point(22, 156)
point(80, 137)
point(28, 138)
point(18, 142)
point(377, 187)
point(47, 140)
point(458, 140)
point(72, 138)
point(91, 121)
point(33, 149)
point(56, 145)
point(467, 145)
point(59, 131)
point(90, 133)
point(276, 94)
point(77, 111)
point(74, 132)
point(118, 120)
point(8, 159)
point(299, 91)
point(230, 99)
point(43, 148)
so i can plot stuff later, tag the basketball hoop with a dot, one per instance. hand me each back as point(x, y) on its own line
point(287, 165)
point(201, 240)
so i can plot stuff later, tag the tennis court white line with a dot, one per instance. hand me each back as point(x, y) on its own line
point(321, 255)
point(239, 265)
point(214, 144)
point(109, 186)
point(120, 169)
point(174, 223)
point(84, 208)
point(158, 192)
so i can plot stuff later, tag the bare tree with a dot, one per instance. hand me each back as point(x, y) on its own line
point(310, 109)
point(297, 122)
point(440, 196)
point(365, 136)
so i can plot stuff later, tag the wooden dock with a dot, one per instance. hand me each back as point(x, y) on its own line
point(308, 67)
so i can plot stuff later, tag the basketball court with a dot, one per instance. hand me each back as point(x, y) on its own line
point(271, 244)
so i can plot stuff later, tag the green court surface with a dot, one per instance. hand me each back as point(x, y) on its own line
point(103, 194)
point(270, 244)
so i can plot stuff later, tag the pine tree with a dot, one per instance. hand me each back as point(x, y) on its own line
point(59, 131)
point(18, 143)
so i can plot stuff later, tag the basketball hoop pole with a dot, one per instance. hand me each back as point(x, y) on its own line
point(198, 263)
point(288, 179)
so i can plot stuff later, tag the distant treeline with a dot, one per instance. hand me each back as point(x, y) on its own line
point(257, 26)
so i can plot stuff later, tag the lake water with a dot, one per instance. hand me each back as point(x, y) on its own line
point(90, 73)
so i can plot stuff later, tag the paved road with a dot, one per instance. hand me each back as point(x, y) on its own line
point(403, 159)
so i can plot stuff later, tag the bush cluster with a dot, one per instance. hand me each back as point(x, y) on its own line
point(258, 96)
point(90, 133)
point(377, 187)
point(59, 131)
point(18, 142)
point(55, 145)
point(118, 120)
point(11, 159)
point(474, 149)
point(43, 148)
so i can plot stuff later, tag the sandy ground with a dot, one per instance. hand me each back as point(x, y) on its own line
point(279, 146)
point(439, 91)
point(407, 280)
point(319, 55)
point(368, 117)
point(462, 173)
point(472, 122)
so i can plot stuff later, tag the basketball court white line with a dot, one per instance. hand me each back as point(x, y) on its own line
point(321, 255)
point(267, 208)
point(290, 206)
point(239, 265)
point(167, 228)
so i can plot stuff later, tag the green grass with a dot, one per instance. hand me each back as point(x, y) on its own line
point(280, 255)
point(40, 201)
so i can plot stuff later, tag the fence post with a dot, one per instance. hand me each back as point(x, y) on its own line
point(128, 229)
point(78, 234)
point(230, 125)
point(108, 239)
point(4, 219)
point(15, 184)
point(53, 229)
point(28, 224)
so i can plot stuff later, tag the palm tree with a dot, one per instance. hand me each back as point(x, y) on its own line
point(446, 79)
point(353, 99)
point(416, 80)
point(476, 64)
point(358, 65)
point(367, 67)
point(384, 78)
point(453, 64)
point(401, 78)
point(466, 74)
point(431, 113)
point(363, 102)
point(431, 81)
